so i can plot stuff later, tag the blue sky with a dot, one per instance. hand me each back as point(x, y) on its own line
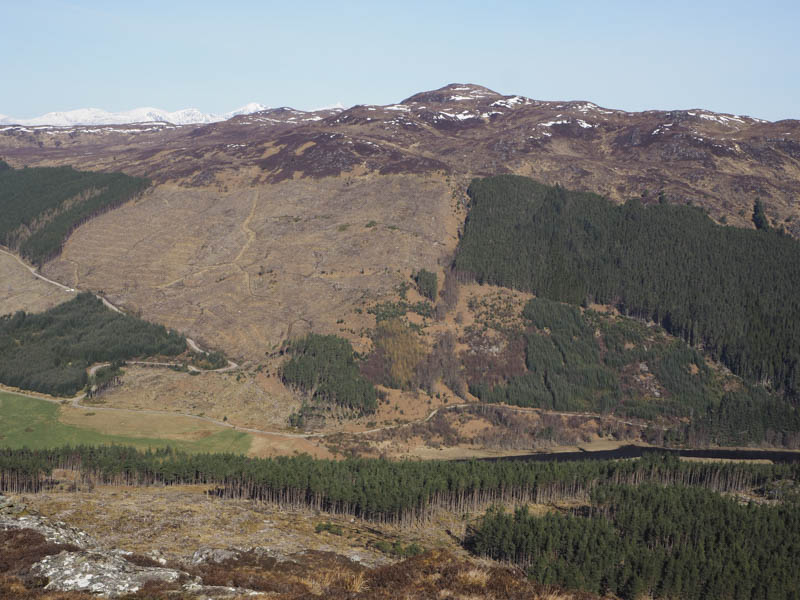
point(739, 57)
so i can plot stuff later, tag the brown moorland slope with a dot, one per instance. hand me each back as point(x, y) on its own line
point(718, 160)
point(272, 224)
point(246, 269)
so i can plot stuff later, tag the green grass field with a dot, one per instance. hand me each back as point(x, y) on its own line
point(32, 423)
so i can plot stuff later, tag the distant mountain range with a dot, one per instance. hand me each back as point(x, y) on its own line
point(98, 116)
point(721, 161)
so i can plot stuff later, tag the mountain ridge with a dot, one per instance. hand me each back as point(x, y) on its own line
point(98, 116)
point(448, 93)
point(719, 160)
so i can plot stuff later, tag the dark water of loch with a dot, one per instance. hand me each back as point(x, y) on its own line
point(778, 456)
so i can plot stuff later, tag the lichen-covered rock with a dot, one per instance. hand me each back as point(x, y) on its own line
point(55, 532)
point(156, 555)
point(10, 507)
point(106, 574)
point(200, 591)
point(214, 555)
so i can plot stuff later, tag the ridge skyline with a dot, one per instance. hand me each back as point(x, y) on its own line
point(93, 116)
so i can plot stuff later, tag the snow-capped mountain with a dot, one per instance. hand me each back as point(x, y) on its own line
point(97, 116)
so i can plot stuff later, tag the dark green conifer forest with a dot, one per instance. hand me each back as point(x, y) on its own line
point(41, 206)
point(733, 292)
point(324, 367)
point(427, 284)
point(665, 542)
point(381, 490)
point(50, 352)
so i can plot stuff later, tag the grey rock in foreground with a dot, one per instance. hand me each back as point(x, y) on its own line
point(97, 573)
point(55, 532)
point(214, 555)
point(203, 592)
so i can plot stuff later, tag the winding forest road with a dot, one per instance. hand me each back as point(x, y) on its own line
point(108, 304)
point(36, 273)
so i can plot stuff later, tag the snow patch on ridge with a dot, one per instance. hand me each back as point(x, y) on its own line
point(551, 123)
point(97, 116)
point(510, 102)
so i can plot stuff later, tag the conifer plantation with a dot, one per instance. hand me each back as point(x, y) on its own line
point(731, 291)
point(376, 489)
point(50, 352)
point(324, 368)
point(657, 525)
point(654, 541)
point(41, 206)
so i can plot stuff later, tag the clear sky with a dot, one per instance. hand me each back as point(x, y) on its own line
point(727, 56)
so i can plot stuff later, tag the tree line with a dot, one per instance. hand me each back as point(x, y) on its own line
point(50, 352)
point(733, 292)
point(376, 489)
point(654, 541)
point(41, 206)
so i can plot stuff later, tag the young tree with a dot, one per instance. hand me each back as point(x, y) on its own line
point(427, 284)
point(760, 219)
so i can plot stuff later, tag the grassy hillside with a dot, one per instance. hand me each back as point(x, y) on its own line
point(39, 207)
point(49, 352)
point(36, 424)
point(735, 292)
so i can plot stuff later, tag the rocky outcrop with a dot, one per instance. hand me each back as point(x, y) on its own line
point(8, 507)
point(111, 575)
point(217, 592)
point(70, 560)
point(204, 556)
point(55, 532)
point(106, 574)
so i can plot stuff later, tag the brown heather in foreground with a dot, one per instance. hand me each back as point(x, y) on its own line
point(436, 574)
point(309, 564)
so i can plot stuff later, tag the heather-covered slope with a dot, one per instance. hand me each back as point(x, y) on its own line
point(720, 161)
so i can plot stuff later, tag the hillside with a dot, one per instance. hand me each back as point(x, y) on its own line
point(731, 291)
point(42, 206)
point(266, 227)
point(720, 161)
point(392, 286)
point(240, 207)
